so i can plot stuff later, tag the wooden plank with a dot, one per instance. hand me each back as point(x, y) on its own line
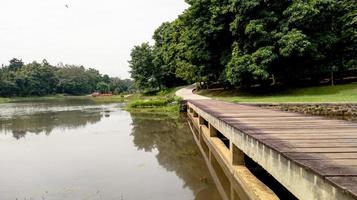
point(318, 150)
point(290, 126)
point(325, 168)
point(301, 130)
point(268, 122)
point(272, 120)
point(267, 138)
point(320, 156)
point(333, 162)
point(297, 141)
point(313, 144)
point(231, 114)
point(347, 183)
point(321, 134)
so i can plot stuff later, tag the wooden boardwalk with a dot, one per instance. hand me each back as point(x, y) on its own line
point(324, 147)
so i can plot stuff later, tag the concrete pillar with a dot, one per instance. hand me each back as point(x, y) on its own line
point(232, 193)
point(200, 134)
point(201, 120)
point(237, 155)
point(212, 131)
point(210, 157)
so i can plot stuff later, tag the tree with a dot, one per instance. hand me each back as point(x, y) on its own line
point(36, 79)
point(103, 87)
point(73, 80)
point(39, 79)
point(94, 77)
point(163, 56)
point(249, 69)
point(257, 42)
point(106, 79)
point(15, 64)
point(118, 85)
point(347, 24)
point(143, 70)
point(205, 41)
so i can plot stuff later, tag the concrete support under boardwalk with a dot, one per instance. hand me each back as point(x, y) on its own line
point(235, 181)
point(313, 158)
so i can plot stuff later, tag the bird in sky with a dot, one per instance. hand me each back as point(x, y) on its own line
point(67, 6)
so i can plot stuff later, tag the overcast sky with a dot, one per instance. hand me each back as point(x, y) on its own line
point(93, 33)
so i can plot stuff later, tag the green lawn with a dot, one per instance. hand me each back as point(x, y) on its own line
point(108, 99)
point(163, 101)
point(330, 94)
point(4, 100)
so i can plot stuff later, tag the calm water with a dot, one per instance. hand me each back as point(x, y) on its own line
point(59, 150)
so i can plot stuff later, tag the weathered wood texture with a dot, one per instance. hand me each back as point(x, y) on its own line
point(326, 147)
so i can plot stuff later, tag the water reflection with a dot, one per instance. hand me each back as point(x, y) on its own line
point(176, 151)
point(52, 150)
point(19, 126)
point(19, 119)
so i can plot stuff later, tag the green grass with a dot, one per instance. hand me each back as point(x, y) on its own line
point(108, 99)
point(346, 93)
point(163, 101)
point(149, 103)
point(161, 109)
point(4, 100)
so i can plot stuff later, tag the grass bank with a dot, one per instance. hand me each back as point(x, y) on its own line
point(4, 100)
point(346, 93)
point(108, 99)
point(163, 101)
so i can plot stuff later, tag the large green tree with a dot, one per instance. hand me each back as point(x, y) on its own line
point(73, 80)
point(255, 42)
point(143, 70)
point(38, 79)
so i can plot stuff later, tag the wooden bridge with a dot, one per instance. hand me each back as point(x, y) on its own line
point(312, 157)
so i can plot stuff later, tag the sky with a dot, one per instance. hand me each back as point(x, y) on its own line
point(94, 33)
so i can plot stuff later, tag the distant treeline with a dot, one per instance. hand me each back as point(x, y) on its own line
point(250, 42)
point(39, 79)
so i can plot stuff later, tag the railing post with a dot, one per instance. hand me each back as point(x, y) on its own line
point(201, 120)
point(212, 131)
point(237, 155)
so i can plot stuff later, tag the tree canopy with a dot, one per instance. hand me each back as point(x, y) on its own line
point(250, 42)
point(38, 79)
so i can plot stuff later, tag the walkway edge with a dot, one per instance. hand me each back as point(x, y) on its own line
point(186, 93)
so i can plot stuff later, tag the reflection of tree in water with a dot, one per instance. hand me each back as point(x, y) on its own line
point(45, 122)
point(177, 150)
point(18, 134)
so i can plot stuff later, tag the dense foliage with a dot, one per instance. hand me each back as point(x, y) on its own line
point(38, 79)
point(250, 42)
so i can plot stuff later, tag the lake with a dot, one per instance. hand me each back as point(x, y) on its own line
point(77, 149)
